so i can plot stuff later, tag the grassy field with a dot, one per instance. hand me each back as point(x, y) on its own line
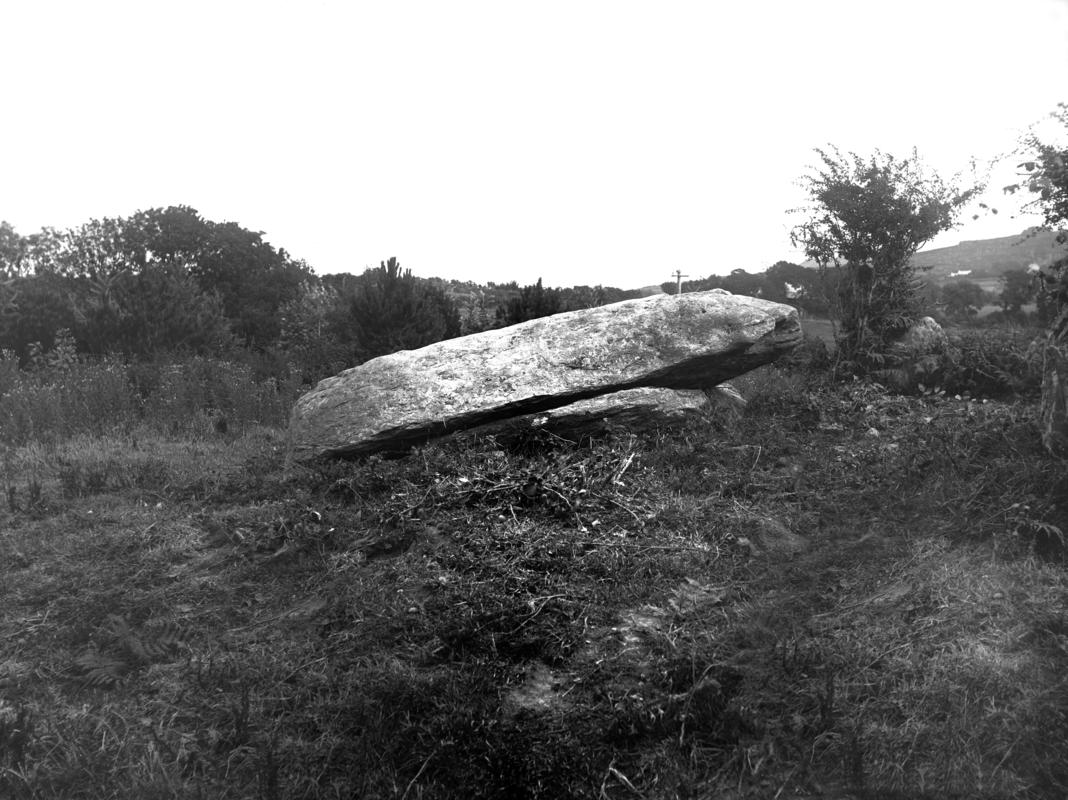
point(822, 329)
point(840, 594)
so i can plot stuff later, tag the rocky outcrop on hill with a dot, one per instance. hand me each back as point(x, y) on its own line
point(990, 257)
point(692, 341)
point(986, 258)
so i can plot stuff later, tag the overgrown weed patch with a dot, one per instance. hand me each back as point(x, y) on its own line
point(190, 398)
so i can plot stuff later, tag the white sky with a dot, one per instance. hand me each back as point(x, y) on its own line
point(583, 142)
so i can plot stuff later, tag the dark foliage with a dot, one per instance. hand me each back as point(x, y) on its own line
point(993, 362)
point(533, 302)
point(36, 308)
point(250, 277)
point(392, 310)
point(156, 310)
point(166, 280)
point(962, 299)
point(1018, 288)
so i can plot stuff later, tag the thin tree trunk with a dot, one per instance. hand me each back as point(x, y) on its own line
point(1054, 411)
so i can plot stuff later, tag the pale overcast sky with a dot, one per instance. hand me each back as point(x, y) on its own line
point(583, 142)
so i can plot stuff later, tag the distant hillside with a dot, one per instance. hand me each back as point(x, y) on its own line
point(991, 258)
point(988, 258)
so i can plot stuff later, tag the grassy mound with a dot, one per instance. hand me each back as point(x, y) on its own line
point(839, 594)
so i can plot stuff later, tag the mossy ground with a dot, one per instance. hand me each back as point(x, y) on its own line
point(838, 594)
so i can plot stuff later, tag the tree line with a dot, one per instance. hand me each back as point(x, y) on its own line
point(782, 282)
point(159, 279)
point(168, 281)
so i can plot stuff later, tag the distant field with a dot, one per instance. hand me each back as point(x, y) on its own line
point(823, 328)
point(819, 327)
point(1030, 308)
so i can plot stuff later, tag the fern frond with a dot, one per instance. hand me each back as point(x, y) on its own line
point(100, 671)
point(161, 642)
point(146, 646)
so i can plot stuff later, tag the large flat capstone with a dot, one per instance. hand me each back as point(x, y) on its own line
point(692, 341)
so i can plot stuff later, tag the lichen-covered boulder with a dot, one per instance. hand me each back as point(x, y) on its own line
point(925, 338)
point(920, 355)
point(693, 341)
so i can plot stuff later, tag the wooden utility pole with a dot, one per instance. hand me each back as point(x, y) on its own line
point(678, 280)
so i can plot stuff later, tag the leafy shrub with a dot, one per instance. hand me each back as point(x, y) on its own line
point(867, 217)
point(156, 310)
point(992, 362)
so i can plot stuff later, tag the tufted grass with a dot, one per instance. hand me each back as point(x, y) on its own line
point(840, 594)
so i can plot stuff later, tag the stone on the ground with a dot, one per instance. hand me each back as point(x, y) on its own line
point(921, 353)
point(631, 409)
point(692, 341)
point(924, 338)
point(769, 535)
